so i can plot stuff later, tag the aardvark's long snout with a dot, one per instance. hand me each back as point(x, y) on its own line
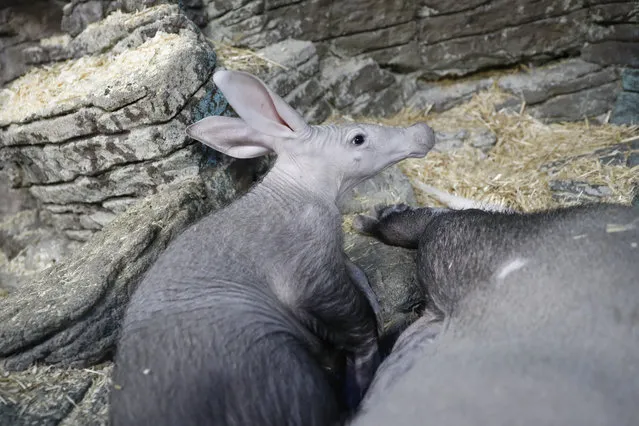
point(422, 139)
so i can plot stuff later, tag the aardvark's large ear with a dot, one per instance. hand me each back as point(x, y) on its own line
point(231, 136)
point(256, 104)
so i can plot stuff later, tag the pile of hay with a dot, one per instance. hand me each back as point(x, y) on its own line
point(235, 58)
point(36, 389)
point(512, 172)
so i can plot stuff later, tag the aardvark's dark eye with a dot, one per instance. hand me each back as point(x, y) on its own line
point(358, 140)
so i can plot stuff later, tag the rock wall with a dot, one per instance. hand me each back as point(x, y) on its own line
point(379, 56)
point(435, 37)
point(23, 25)
point(89, 136)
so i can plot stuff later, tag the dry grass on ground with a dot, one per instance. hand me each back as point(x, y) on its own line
point(511, 173)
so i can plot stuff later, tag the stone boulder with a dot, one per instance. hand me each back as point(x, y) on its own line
point(79, 14)
point(439, 97)
point(566, 91)
point(390, 186)
point(88, 137)
point(613, 34)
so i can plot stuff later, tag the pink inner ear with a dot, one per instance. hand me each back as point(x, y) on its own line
point(257, 105)
point(270, 109)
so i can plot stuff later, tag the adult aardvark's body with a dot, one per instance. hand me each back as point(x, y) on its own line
point(540, 319)
point(241, 319)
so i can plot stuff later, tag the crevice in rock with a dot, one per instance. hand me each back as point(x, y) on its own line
point(505, 27)
point(455, 12)
point(112, 168)
point(69, 141)
point(89, 203)
point(187, 103)
point(512, 66)
point(223, 14)
point(572, 92)
point(282, 6)
point(385, 27)
point(381, 49)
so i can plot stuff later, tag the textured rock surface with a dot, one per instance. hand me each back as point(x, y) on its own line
point(434, 36)
point(391, 272)
point(92, 135)
point(22, 26)
point(296, 78)
point(78, 14)
point(626, 109)
point(431, 39)
point(28, 246)
point(622, 154)
point(568, 90)
point(443, 97)
point(79, 302)
point(450, 140)
point(613, 37)
point(361, 88)
point(570, 191)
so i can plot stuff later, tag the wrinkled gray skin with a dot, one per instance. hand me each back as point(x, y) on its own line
point(533, 319)
point(250, 316)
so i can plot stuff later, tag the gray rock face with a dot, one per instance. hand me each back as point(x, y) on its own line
point(78, 14)
point(613, 37)
point(377, 40)
point(296, 78)
point(28, 246)
point(112, 130)
point(566, 91)
point(626, 109)
point(441, 97)
point(622, 154)
point(391, 273)
point(433, 36)
point(23, 25)
point(81, 329)
point(447, 141)
point(361, 87)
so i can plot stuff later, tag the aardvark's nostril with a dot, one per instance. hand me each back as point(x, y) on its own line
point(424, 134)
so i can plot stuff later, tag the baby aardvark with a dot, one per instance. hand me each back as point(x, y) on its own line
point(244, 317)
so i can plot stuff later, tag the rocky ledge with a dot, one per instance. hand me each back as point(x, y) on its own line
point(89, 136)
